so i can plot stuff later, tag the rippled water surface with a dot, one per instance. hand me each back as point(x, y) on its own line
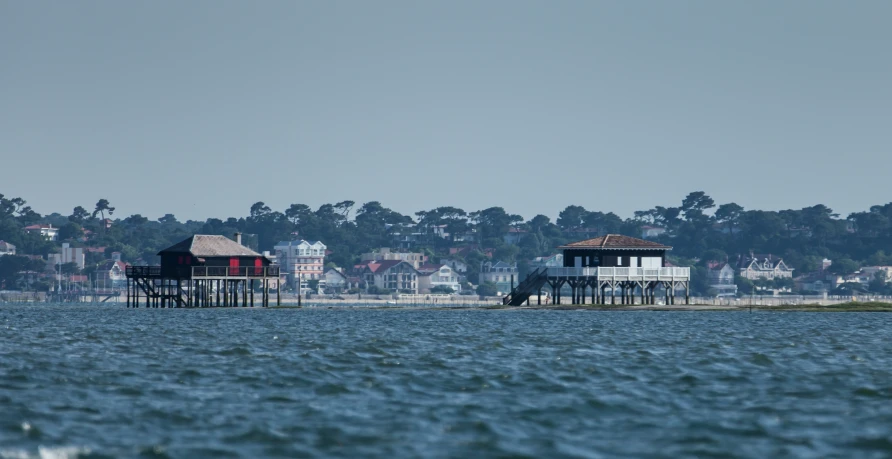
point(112, 382)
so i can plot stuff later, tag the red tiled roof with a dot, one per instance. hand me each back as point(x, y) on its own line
point(384, 265)
point(615, 241)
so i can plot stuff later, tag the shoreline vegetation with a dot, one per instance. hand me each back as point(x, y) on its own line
point(814, 241)
point(854, 306)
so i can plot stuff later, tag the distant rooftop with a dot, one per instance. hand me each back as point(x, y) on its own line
point(202, 245)
point(615, 241)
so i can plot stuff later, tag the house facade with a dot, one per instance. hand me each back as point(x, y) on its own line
point(67, 254)
point(721, 279)
point(438, 275)
point(6, 248)
point(47, 231)
point(514, 235)
point(112, 274)
point(301, 259)
point(871, 272)
point(456, 265)
point(764, 266)
point(335, 280)
point(395, 275)
point(818, 283)
point(499, 273)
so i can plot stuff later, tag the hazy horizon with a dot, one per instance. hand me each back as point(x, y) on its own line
point(527, 105)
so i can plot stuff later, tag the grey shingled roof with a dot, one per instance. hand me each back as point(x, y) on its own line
point(202, 245)
point(615, 241)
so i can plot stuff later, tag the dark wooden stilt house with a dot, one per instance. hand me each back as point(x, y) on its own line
point(620, 264)
point(204, 271)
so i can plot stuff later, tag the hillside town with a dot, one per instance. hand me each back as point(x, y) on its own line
point(732, 252)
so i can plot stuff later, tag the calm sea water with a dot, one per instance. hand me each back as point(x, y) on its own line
point(86, 381)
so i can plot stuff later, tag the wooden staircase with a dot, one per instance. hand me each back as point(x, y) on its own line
point(530, 286)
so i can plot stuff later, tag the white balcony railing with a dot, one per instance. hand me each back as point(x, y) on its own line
point(624, 274)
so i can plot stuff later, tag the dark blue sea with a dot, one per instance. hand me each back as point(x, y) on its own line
point(97, 382)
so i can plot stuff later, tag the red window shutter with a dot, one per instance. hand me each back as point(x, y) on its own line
point(233, 266)
point(188, 259)
point(180, 260)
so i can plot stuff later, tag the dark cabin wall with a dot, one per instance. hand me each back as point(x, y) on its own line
point(242, 261)
point(172, 266)
point(608, 258)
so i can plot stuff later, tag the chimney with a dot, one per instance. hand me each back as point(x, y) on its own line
point(238, 238)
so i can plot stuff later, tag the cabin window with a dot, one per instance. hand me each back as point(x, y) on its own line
point(188, 259)
point(180, 260)
point(651, 262)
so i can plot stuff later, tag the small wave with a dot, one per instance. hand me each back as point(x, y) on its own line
point(868, 392)
point(47, 452)
point(259, 436)
point(761, 359)
point(189, 373)
point(153, 451)
point(238, 350)
point(883, 444)
point(332, 389)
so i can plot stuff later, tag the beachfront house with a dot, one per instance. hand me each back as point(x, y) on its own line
point(394, 275)
point(764, 266)
point(504, 275)
point(301, 259)
point(431, 276)
point(111, 274)
point(720, 277)
point(335, 280)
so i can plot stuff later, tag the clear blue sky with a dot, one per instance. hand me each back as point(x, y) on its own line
point(201, 108)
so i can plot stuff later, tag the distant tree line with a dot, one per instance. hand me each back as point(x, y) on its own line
point(699, 231)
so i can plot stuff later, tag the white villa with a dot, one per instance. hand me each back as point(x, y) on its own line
point(764, 266)
point(499, 273)
point(301, 258)
point(435, 275)
point(721, 279)
point(47, 231)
